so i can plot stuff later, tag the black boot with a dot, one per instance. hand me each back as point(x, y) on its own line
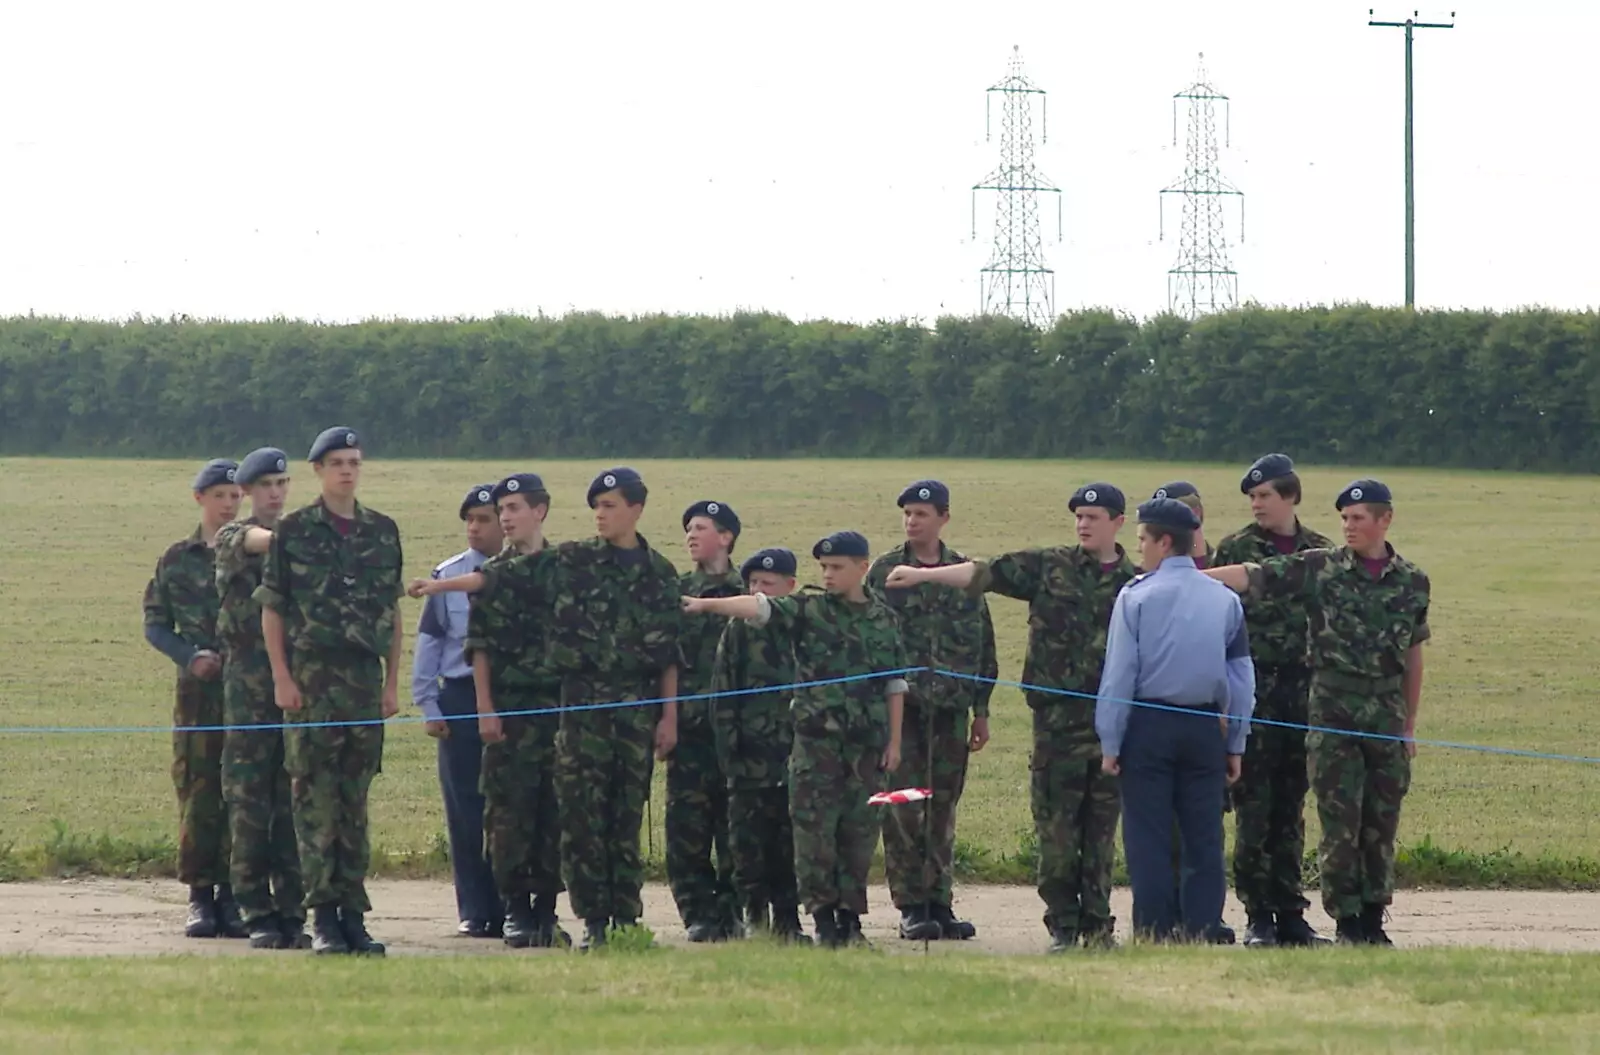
point(704, 930)
point(1098, 934)
point(549, 934)
point(1293, 930)
point(202, 922)
point(1372, 924)
point(1063, 939)
point(267, 933)
point(756, 919)
point(952, 928)
point(294, 933)
point(1261, 932)
point(1350, 930)
point(826, 923)
point(230, 921)
point(786, 925)
point(594, 934)
point(917, 925)
point(355, 932)
point(327, 936)
point(520, 925)
point(729, 923)
point(850, 929)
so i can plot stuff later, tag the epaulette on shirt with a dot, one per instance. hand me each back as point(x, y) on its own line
point(442, 565)
point(1136, 580)
point(813, 590)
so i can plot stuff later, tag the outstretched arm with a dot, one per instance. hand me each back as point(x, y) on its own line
point(957, 575)
point(472, 582)
point(747, 606)
point(1234, 576)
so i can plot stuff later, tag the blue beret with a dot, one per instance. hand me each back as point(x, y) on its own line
point(842, 544)
point(216, 471)
point(1103, 495)
point(1177, 489)
point(1265, 469)
point(777, 560)
point(263, 461)
point(612, 479)
point(481, 495)
point(933, 492)
point(1367, 490)
point(519, 484)
point(335, 439)
point(1169, 513)
point(721, 514)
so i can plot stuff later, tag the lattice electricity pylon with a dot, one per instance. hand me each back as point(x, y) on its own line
point(1203, 280)
point(1016, 281)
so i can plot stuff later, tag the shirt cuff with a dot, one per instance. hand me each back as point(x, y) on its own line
point(267, 597)
point(981, 578)
point(763, 614)
point(895, 686)
point(1255, 580)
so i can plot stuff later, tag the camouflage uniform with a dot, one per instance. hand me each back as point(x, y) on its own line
point(840, 732)
point(337, 596)
point(255, 781)
point(1361, 630)
point(755, 735)
point(182, 596)
point(697, 789)
point(1269, 798)
point(1075, 804)
point(614, 625)
point(943, 629)
point(520, 822)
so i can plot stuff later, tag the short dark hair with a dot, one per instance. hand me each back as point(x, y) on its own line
point(1193, 502)
point(633, 492)
point(533, 498)
point(1182, 538)
point(1288, 486)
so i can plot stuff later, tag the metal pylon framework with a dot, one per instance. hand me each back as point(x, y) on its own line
point(1203, 279)
point(1016, 281)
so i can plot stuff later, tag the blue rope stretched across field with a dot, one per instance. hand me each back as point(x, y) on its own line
point(1513, 752)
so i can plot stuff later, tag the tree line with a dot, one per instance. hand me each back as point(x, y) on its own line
point(1345, 384)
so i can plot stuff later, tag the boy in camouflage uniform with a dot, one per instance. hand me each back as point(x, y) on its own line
point(944, 629)
point(266, 860)
point(330, 616)
point(697, 789)
point(755, 735)
point(1070, 591)
point(845, 733)
point(1368, 609)
point(180, 621)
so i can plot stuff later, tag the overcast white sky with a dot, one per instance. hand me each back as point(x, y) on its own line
point(341, 160)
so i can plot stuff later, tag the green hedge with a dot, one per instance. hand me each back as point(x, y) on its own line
point(1333, 385)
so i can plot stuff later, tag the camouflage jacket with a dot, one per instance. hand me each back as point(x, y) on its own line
point(238, 575)
point(1277, 627)
point(1360, 626)
point(943, 629)
point(834, 638)
point(511, 634)
point(755, 731)
point(700, 636)
point(182, 595)
point(613, 618)
point(333, 591)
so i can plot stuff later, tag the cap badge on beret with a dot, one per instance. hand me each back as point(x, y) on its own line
point(1355, 494)
point(766, 562)
point(1161, 492)
point(282, 465)
point(231, 474)
point(609, 480)
point(513, 485)
point(483, 496)
point(713, 508)
point(1089, 495)
point(827, 545)
point(924, 493)
point(1255, 474)
point(349, 439)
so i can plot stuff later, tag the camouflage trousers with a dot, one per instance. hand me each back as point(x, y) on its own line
point(603, 765)
point(521, 825)
point(919, 838)
point(255, 781)
point(1269, 798)
point(835, 832)
point(761, 843)
point(331, 771)
point(1359, 783)
point(1075, 811)
point(697, 827)
point(203, 843)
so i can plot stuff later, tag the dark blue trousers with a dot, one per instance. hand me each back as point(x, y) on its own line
point(1174, 765)
point(460, 765)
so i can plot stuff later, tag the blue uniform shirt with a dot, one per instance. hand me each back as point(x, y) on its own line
point(1177, 637)
point(441, 635)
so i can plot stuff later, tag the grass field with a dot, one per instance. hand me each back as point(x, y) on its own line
point(759, 998)
point(1512, 558)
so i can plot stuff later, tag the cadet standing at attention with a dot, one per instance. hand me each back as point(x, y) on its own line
point(266, 859)
point(1178, 642)
point(610, 605)
point(1069, 590)
point(442, 688)
point(1368, 609)
point(180, 622)
point(944, 629)
point(845, 733)
point(755, 735)
point(331, 618)
point(1269, 798)
point(697, 789)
